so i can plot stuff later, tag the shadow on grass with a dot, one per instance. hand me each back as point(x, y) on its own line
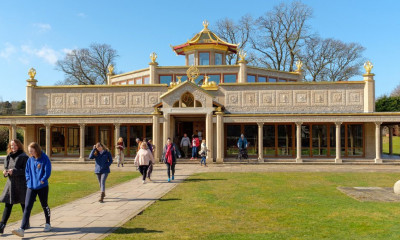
point(190, 180)
point(123, 230)
point(140, 199)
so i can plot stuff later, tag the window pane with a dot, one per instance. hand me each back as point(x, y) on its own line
point(271, 79)
point(285, 140)
point(332, 137)
point(105, 136)
point(262, 79)
point(90, 140)
point(123, 132)
point(218, 59)
point(251, 134)
point(166, 79)
point(42, 139)
point(73, 141)
point(251, 78)
point(282, 80)
point(149, 132)
point(215, 78)
point(232, 137)
point(204, 58)
point(191, 59)
point(319, 140)
point(57, 141)
point(135, 132)
point(183, 78)
point(269, 140)
point(139, 81)
point(230, 78)
point(199, 80)
point(305, 140)
point(146, 80)
point(131, 82)
point(354, 140)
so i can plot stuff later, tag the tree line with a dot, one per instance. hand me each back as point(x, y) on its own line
point(12, 108)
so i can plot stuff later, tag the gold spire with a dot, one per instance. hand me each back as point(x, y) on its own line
point(205, 24)
point(368, 67)
point(32, 73)
point(193, 73)
point(299, 64)
point(153, 57)
point(242, 55)
point(110, 69)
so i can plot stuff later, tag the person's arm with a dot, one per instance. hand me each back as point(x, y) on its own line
point(27, 168)
point(136, 159)
point(91, 155)
point(6, 161)
point(47, 169)
point(110, 159)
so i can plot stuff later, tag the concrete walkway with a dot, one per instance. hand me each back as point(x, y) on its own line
point(86, 218)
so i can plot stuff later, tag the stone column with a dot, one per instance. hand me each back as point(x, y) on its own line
point(298, 142)
point(153, 73)
point(156, 137)
point(220, 137)
point(166, 128)
point(390, 140)
point(117, 133)
point(369, 92)
point(209, 137)
point(378, 158)
point(48, 132)
point(13, 131)
point(25, 139)
point(242, 78)
point(260, 142)
point(82, 142)
point(338, 158)
point(30, 96)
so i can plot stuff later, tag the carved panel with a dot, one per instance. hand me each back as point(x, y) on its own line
point(337, 98)
point(200, 96)
point(267, 98)
point(121, 100)
point(152, 99)
point(354, 97)
point(301, 98)
point(74, 100)
point(136, 100)
point(58, 100)
point(105, 100)
point(233, 98)
point(250, 99)
point(89, 100)
point(284, 98)
point(319, 98)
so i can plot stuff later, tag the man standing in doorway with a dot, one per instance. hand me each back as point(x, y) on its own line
point(185, 144)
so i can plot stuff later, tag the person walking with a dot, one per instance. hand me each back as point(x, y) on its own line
point(120, 151)
point(203, 152)
point(195, 145)
point(15, 189)
point(139, 143)
point(37, 174)
point(185, 144)
point(150, 170)
point(242, 145)
point(103, 161)
point(169, 156)
point(143, 158)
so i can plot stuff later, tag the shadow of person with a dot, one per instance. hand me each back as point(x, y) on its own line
point(123, 230)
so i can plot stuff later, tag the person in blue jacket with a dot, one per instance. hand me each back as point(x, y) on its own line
point(103, 160)
point(242, 143)
point(37, 174)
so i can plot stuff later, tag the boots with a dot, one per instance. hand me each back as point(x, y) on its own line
point(2, 226)
point(102, 197)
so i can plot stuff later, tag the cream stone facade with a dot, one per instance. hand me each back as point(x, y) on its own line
point(282, 117)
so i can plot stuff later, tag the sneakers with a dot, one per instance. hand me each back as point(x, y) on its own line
point(47, 227)
point(19, 232)
point(191, 158)
point(169, 180)
point(173, 177)
point(143, 181)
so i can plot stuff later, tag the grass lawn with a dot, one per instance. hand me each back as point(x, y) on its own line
point(396, 145)
point(268, 206)
point(3, 153)
point(66, 186)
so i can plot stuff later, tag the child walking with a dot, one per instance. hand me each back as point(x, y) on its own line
point(203, 153)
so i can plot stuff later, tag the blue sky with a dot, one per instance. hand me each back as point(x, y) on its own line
point(38, 33)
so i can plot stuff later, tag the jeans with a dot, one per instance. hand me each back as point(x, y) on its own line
point(186, 151)
point(143, 171)
point(203, 160)
point(7, 212)
point(170, 168)
point(31, 194)
point(101, 177)
point(194, 152)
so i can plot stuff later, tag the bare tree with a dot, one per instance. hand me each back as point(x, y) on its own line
point(281, 34)
point(87, 66)
point(236, 33)
point(396, 91)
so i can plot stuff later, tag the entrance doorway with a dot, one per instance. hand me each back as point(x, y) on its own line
point(190, 125)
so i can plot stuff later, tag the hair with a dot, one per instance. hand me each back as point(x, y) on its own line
point(18, 143)
point(169, 139)
point(37, 148)
point(203, 140)
point(144, 139)
point(143, 145)
point(137, 139)
point(99, 144)
point(120, 139)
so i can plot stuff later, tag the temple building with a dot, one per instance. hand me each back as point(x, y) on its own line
point(282, 117)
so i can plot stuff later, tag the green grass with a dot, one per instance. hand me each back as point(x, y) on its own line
point(66, 186)
point(267, 206)
point(3, 153)
point(396, 145)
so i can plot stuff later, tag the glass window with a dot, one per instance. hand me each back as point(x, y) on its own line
point(183, 78)
point(146, 80)
point(269, 140)
point(271, 79)
point(57, 141)
point(90, 139)
point(355, 140)
point(131, 81)
point(105, 136)
point(251, 78)
point(215, 78)
point(305, 140)
point(135, 131)
point(232, 137)
point(123, 83)
point(343, 139)
point(42, 139)
point(218, 59)
point(204, 58)
point(332, 139)
point(251, 134)
point(282, 80)
point(230, 78)
point(123, 132)
point(191, 59)
point(319, 140)
point(149, 131)
point(73, 141)
point(199, 80)
point(166, 79)
point(262, 79)
point(285, 140)
point(139, 81)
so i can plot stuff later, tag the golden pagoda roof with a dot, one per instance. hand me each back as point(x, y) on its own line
point(205, 39)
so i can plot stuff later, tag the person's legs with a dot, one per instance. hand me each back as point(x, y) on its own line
point(43, 197)
point(99, 178)
point(141, 169)
point(173, 170)
point(145, 168)
point(150, 170)
point(103, 181)
point(29, 200)
point(122, 158)
point(194, 152)
point(6, 213)
point(185, 151)
point(168, 170)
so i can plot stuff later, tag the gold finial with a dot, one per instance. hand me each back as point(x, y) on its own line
point(156, 111)
point(153, 57)
point(205, 82)
point(368, 67)
point(219, 109)
point(205, 24)
point(192, 73)
point(242, 55)
point(32, 73)
point(110, 69)
point(179, 79)
point(299, 64)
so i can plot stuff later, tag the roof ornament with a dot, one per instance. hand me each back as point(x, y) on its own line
point(153, 57)
point(179, 79)
point(299, 65)
point(208, 84)
point(368, 67)
point(205, 24)
point(32, 73)
point(242, 55)
point(193, 73)
point(110, 69)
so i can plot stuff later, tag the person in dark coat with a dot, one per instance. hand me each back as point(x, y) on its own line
point(170, 154)
point(15, 189)
point(103, 160)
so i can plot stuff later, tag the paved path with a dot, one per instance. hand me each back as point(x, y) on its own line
point(86, 218)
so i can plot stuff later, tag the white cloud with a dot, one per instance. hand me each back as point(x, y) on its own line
point(82, 15)
point(48, 54)
point(43, 27)
point(7, 51)
point(66, 50)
